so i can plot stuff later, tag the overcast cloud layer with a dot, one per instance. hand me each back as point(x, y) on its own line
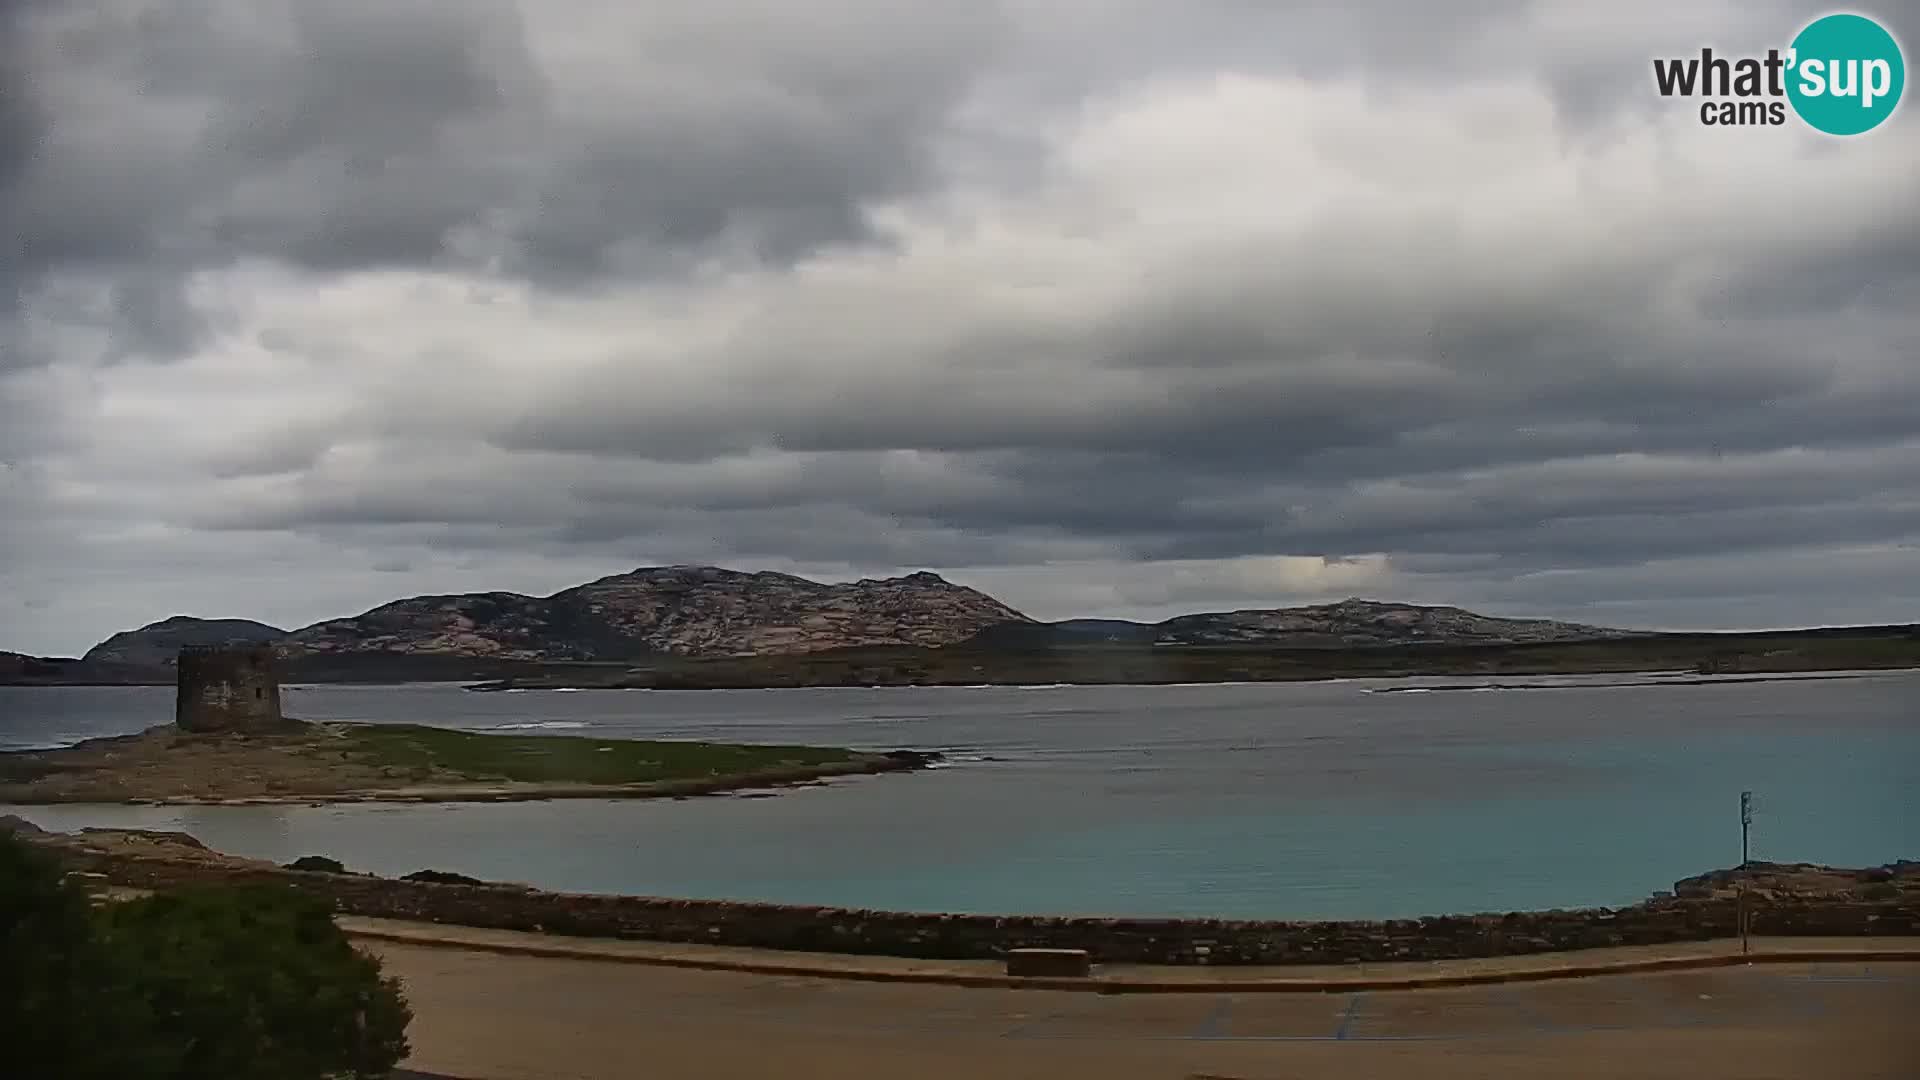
point(1110, 307)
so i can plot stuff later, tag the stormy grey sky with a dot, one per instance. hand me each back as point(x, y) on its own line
point(1110, 307)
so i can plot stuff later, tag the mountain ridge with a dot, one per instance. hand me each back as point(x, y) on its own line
point(159, 642)
point(680, 610)
point(691, 627)
point(1342, 624)
point(695, 611)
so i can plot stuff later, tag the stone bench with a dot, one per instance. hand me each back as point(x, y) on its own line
point(1057, 963)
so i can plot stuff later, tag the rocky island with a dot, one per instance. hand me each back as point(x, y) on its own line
point(229, 744)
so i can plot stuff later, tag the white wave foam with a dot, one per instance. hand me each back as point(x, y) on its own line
point(51, 742)
point(539, 725)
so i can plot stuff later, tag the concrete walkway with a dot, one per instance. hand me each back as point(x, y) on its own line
point(1120, 978)
point(483, 1015)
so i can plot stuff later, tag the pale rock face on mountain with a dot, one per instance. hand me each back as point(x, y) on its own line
point(678, 610)
point(1349, 623)
point(1368, 622)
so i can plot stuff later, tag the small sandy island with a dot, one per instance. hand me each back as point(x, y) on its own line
point(315, 763)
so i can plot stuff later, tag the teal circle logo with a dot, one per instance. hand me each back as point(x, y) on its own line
point(1846, 74)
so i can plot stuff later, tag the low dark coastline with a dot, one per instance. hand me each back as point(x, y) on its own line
point(1658, 679)
point(1670, 657)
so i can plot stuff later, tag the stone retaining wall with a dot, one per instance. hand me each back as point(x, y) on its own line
point(931, 936)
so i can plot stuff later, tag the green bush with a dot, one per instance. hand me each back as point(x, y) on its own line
point(442, 877)
point(67, 1005)
point(239, 984)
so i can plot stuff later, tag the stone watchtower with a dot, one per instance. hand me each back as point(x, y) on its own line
point(227, 688)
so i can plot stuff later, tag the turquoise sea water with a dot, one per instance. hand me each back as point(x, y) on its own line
point(1315, 800)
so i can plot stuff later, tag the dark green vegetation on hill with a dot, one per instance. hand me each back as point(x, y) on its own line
point(1814, 650)
point(212, 982)
point(1099, 662)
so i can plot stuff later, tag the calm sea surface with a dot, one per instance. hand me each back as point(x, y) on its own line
point(1333, 799)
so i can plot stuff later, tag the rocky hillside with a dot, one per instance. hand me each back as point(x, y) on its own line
point(1347, 623)
point(1369, 622)
point(704, 611)
point(19, 666)
point(18, 669)
point(674, 610)
point(159, 643)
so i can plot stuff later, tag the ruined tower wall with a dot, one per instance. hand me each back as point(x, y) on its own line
point(223, 689)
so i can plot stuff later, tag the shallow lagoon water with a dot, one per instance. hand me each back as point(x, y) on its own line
point(1301, 800)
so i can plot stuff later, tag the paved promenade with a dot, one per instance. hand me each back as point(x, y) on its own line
point(491, 1014)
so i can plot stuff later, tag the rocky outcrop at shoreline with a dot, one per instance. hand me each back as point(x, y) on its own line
point(1771, 881)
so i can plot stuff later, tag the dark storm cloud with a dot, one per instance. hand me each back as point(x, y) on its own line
point(141, 142)
point(179, 137)
point(1594, 61)
point(23, 120)
point(1873, 274)
point(23, 127)
point(756, 126)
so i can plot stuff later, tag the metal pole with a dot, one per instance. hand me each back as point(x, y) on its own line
point(1746, 821)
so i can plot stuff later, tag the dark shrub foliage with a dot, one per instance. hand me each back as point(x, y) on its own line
point(442, 877)
point(230, 983)
point(66, 1004)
